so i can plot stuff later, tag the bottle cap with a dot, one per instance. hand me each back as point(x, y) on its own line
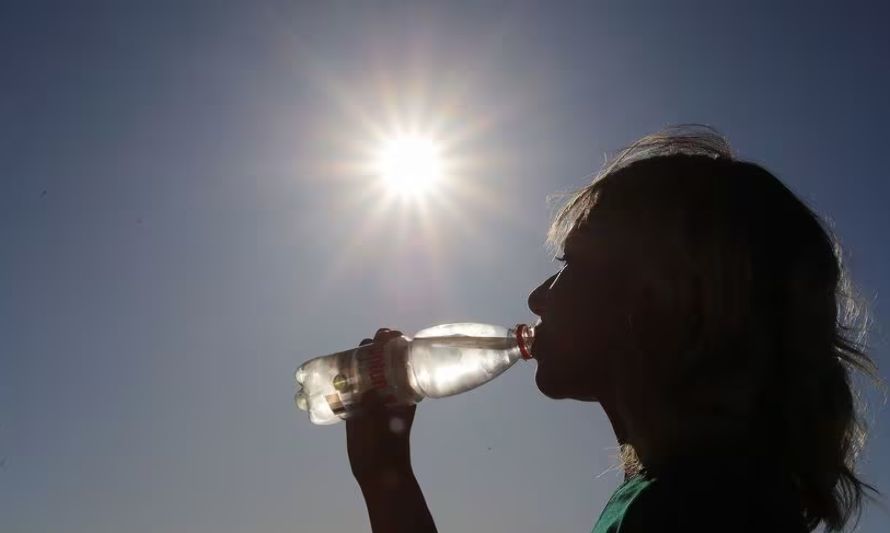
point(524, 338)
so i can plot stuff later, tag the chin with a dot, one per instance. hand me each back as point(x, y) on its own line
point(549, 387)
point(560, 389)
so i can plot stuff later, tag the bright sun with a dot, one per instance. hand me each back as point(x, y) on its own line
point(409, 165)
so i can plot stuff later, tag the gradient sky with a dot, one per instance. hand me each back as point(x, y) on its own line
point(182, 223)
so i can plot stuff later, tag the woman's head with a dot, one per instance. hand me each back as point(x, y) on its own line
point(699, 286)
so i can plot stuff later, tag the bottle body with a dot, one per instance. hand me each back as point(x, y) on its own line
point(331, 386)
point(440, 361)
point(453, 358)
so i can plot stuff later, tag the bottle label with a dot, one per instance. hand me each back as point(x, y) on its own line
point(372, 365)
point(369, 367)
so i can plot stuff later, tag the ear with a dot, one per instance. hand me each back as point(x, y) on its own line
point(662, 314)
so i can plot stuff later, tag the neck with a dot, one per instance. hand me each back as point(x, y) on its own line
point(659, 436)
point(628, 441)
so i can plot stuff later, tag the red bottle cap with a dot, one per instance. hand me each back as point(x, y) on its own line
point(523, 331)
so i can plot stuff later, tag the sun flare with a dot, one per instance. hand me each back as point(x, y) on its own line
point(410, 165)
point(413, 160)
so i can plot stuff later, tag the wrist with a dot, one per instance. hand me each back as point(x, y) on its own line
point(385, 478)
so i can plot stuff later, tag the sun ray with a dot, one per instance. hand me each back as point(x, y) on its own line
point(415, 175)
point(356, 247)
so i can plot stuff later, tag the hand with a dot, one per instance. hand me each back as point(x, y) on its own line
point(377, 437)
point(377, 440)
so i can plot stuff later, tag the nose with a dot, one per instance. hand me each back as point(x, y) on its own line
point(537, 300)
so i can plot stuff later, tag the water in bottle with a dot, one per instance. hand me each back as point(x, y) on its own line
point(439, 361)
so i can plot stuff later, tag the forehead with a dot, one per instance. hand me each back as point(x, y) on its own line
point(595, 229)
point(599, 237)
point(577, 240)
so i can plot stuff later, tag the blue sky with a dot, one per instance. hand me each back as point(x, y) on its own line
point(182, 224)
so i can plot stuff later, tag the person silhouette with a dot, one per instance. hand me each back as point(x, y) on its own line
point(705, 308)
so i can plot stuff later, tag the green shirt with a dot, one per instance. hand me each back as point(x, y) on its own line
point(619, 505)
point(704, 496)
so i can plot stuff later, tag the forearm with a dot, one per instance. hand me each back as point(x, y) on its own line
point(396, 503)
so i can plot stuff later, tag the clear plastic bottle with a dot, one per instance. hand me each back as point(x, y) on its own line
point(439, 361)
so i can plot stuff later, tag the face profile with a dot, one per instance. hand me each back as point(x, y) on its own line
point(582, 311)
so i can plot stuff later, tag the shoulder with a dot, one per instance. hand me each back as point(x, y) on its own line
point(654, 508)
point(629, 504)
point(666, 505)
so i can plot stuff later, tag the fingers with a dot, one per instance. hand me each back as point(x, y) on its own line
point(385, 334)
point(382, 334)
point(371, 401)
